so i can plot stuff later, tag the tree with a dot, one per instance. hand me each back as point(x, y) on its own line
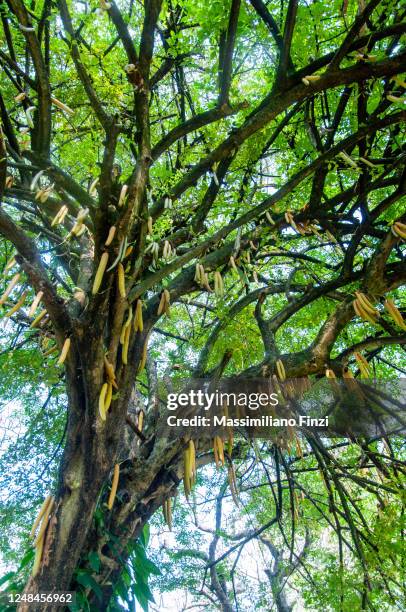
point(153, 152)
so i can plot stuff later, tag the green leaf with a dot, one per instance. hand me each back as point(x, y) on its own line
point(94, 561)
point(87, 580)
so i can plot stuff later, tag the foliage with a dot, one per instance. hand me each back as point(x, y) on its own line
point(259, 143)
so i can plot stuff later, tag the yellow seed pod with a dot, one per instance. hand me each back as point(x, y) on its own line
point(109, 369)
point(110, 236)
point(186, 471)
point(140, 420)
point(10, 264)
point(38, 557)
point(363, 313)
point(366, 304)
point(44, 523)
point(280, 368)
point(121, 280)
point(37, 321)
point(395, 313)
point(363, 365)
point(100, 272)
point(62, 106)
point(102, 399)
point(64, 352)
point(40, 514)
point(144, 356)
point(138, 320)
point(35, 303)
point(114, 486)
point(10, 288)
point(50, 351)
point(126, 343)
point(161, 305)
point(17, 306)
point(123, 194)
point(109, 397)
point(128, 251)
point(330, 373)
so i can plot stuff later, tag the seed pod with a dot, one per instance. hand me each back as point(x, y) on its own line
point(100, 272)
point(110, 236)
point(114, 486)
point(44, 194)
point(138, 320)
point(330, 373)
point(233, 484)
point(218, 284)
point(149, 225)
point(233, 264)
point(10, 288)
point(124, 355)
point(128, 251)
point(310, 78)
point(268, 216)
point(60, 216)
point(104, 6)
point(164, 303)
point(289, 219)
point(218, 449)
point(363, 365)
point(92, 188)
point(50, 351)
point(189, 467)
point(35, 179)
point(399, 230)
point(28, 116)
point(109, 397)
point(44, 522)
point(110, 373)
point(363, 313)
point(62, 106)
point(140, 420)
point(121, 280)
point(167, 250)
point(366, 303)
point(198, 273)
point(167, 512)
point(143, 360)
point(17, 306)
point(40, 514)
point(35, 303)
point(10, 264)
point(395, 99)
point(37, 321)
point(80, 296)
point(64, 352)
point(123, 194)
point(394, 313)
point(280, 368)
point(366, 162)
point(102, 400)
point(38, 557)
point(20, 97)
point(126, 325)
point(348, 160)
